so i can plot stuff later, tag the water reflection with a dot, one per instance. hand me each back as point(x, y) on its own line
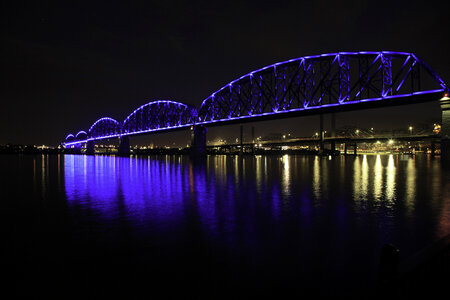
point(410, 185)
point(364, 178)
point(316, 178)
point(261, 208)
point(390, 179)
point(378, 179)
point(286, 174)
point(157, 187)
point(357, 179)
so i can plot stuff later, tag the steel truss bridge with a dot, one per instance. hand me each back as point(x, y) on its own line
point(301, 86)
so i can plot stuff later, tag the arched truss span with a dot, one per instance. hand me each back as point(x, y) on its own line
point(81, 135)
point(103, 128)
point(158, 115)
point(320, 81)
point(69, 138)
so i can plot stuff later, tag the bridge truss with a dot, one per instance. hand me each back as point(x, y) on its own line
point(320, 81)
point(297, 85)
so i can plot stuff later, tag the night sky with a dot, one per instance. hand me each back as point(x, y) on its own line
point(64, 65)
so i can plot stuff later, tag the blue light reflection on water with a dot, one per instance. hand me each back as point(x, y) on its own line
point(288, 214)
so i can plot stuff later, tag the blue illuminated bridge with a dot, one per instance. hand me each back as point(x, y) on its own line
point(302, 86)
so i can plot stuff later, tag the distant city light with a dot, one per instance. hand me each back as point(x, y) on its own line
point(437, 128)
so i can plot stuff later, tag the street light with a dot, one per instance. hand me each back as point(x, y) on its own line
point(410, 130)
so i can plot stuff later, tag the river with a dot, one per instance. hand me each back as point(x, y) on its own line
point(229, 225)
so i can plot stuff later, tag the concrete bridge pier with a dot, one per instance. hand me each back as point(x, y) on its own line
point(333, 146)
point(333, 133)
point(433, 148)
point(198, 141)
point(355, 148)
point(322, 136)
point(445, 130)
point(253, 140)
point(90, 148)
point(124, 146)
point(77, 149)
point(241, 140)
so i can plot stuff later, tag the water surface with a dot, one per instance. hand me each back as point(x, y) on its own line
point(105, 225)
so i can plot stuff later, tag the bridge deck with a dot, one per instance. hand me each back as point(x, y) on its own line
point(315, 140)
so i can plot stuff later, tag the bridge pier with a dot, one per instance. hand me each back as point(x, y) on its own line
point(124, 146)
point(333, 146)
point(355, 148)
point(333, 133)
point(333, 125)
point(77, 149)
point(241, 140)
point(90, 148)
point(433, 148)
point(198, 141)
point(253, 140)
point(322, 135)
point(445, 130)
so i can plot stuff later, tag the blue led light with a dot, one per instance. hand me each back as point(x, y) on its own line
point(101, 120)
point(321, 106)
point(271, 84)
point(81, 132)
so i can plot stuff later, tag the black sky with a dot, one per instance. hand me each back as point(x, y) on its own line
point(64, 65)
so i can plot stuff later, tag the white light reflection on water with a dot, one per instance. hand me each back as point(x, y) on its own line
point(390, 179)
point(357, 179)
point(410, 184)
point(360, 179)
point(364, 178)
point(258, 175)
point(286, 174)
point(316, 178)
point(378, 179)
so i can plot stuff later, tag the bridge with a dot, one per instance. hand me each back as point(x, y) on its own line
point(308, 85)
point(347, 141)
